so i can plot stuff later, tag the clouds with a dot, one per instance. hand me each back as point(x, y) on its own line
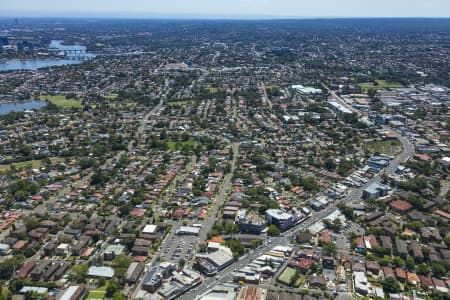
point(290, 8)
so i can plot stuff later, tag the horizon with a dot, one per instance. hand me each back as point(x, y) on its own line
point(193, 17)
point(234, 9)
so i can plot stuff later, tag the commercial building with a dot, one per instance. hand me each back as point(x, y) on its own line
point(134, 272)
point(339, 109)
point(188, 230)
point(282, 219)
point(112, 250)
point(220, 259)
point(80, 245)
point(302, 90)
point(375, 190)
point(4, 249)
point(204, 266)
point(101, 272)
point(150, 229)
point(378, 161)
point(361, 284)
point(155, 275)
point(74, 292)
point(224, 291)
point(153, 280)
point(251, 222)
point(251, 293)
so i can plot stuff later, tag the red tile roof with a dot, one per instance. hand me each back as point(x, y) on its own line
point(400, 205)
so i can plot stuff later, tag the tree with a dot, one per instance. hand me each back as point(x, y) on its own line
point(202, 247)
point(423, 269)
point(121, 261)
point(273, 230)
point(5, 294)
point(294, 278)
point(255, 243)
point(10, 265)
point(330, 248)
point(384, 261)
point(86, 162)
point(398, 261)
point(410, 264)
point(346, 210)
point(337, 224)
point(118, 296)
point(181, 263)
point(111, 288)
point(231, 227)
point(236, 247)
point(310, 184)
point(330, 164)
point(438, 269)
point(79, 273)
point(447, 241)
point(391, 285)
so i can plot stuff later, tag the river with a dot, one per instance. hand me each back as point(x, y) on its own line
point(6, 108)
point(34, 64)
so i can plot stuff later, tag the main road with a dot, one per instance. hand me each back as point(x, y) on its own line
point(286, 237)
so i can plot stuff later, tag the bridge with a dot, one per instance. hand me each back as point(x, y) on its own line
point(77, 54)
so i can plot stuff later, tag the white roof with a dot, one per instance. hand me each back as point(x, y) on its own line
point(360, 281)
point(270, 258)
point(106, 272)
point(278, 214)
point(340, 107)
point(149, 228)
point(69, 292)
point(219, 257)
point(63, 246)
point(379, 292)
point(213, 245)
point(285, 249)
point(39, 290)
point(4, 247)
point(306, 90)
point(189, 229)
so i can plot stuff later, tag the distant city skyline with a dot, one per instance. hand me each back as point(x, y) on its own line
point(225, 8)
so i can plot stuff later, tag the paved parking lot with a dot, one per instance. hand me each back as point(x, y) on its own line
point(330, 274)
point(342, 242)
point(353, 227)
point(179, 247)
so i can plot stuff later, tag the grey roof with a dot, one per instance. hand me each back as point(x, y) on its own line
point(106, 272)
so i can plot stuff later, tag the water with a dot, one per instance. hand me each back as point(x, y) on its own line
point(6, 108)
point(34, 64)
point(58, 45)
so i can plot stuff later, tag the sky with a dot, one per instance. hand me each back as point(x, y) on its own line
point(217, 8)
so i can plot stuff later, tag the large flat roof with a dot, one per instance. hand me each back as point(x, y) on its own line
point(189, 229)
point(106, 272)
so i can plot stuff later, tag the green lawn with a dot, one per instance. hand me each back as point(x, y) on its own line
point(388, 147)
point(62, 101)
point(182, 102)
point(285, 277)
point(382, 84)
point(32, 164)
point(115, 104)
point(270, 88)
point(112, 96)
point(97, 293)
point(179, 145)
point(212, 90)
